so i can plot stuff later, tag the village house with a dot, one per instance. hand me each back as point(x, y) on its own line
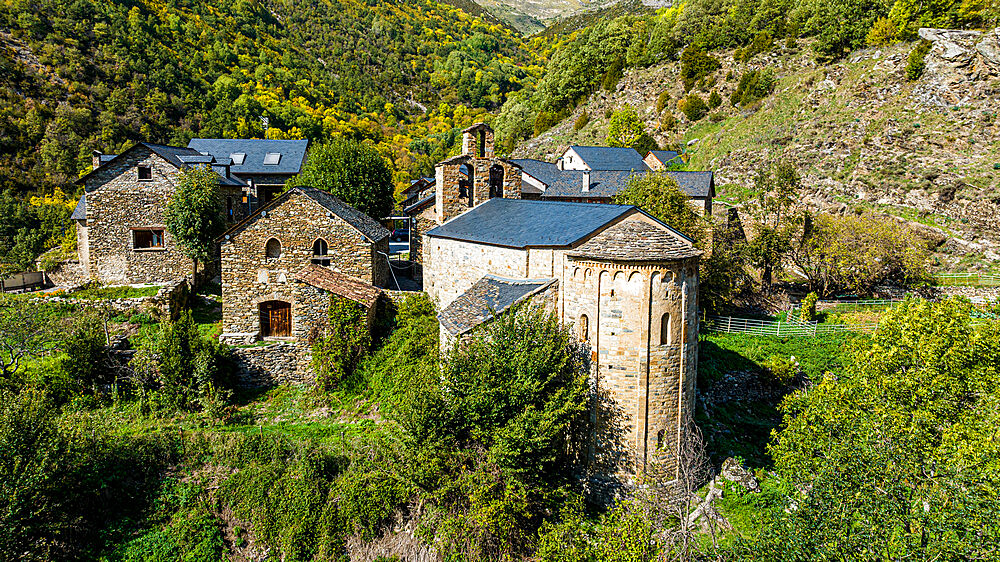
point(121, 231)
point(264, 164)
point(583, 174)
point(282, 263)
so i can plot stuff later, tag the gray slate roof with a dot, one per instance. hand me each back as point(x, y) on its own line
point(488, 297)
point(637, 240)
point(366, 225)
point(545, 172)
point(420, 204)
point(603, 184)
point(610, 158)
point(520, 223)
point(80, 212)
point(666, 156)
point(180, 157)
point(293, 154)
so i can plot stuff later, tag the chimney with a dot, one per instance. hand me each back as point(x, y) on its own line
point(95, 156)
point(586, 180)
point(560, 164)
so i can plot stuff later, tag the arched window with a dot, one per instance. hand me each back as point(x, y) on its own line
point(496, 181)
point(272, 250)
point(584, 328)
point(665, 329)
point(659, 439)
point(320, 256)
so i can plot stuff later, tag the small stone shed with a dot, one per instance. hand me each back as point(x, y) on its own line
point(279, 264)
point(490, 296)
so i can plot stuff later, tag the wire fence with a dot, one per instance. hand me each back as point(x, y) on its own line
point(733, 325)
point(967, 280)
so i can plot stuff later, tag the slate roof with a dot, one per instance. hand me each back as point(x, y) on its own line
point(607, 183)
point(520, 223)
point(293, 154)
point(603, 184)
point(545, 172)
point(339, 284)
point(610, 158)
point(488, 297)
point(175, 155)
point(420, 204)
point(367, 226)
point(80, 212)
point(666, 156)
point(637, 240)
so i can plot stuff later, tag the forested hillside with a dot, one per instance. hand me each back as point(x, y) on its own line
point(101, 75)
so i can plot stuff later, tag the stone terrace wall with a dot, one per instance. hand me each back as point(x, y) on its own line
point(166, 304)
point(272, 364)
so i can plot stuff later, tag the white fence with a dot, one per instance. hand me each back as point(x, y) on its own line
point(967, 279)
point(751, 326)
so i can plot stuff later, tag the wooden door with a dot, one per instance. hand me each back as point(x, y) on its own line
point(275, 319)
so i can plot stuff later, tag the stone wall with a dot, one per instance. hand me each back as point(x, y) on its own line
point(452, 266)
point(646, 389)
point(420, 225)
point(119, 203)
point(165, 305)
point(271, 364)
point(249, 277)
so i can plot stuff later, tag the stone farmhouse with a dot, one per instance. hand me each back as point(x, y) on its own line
point(659, 160)
point(121, 231)
point(628, 284)
point(281, 264)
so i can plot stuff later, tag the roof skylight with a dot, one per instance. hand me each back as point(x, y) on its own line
point(238, 158)
point(272, 158)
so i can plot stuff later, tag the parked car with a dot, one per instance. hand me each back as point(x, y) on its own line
point(401, 234)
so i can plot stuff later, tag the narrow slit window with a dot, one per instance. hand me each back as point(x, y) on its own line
point(145, 173)
point(584, 328)
point(665, 329)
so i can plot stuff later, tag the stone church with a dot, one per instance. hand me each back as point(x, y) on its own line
point(625, 281)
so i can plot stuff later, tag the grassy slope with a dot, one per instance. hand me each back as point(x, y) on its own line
point(860, 135)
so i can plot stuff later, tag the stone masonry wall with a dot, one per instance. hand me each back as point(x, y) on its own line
point(117, 202)
point(269, 365)
point(249, 277)
point(452, 266)
point(646, 389)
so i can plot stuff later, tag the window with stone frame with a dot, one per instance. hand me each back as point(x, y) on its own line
point(665, 329)
point(321, 251)
point(145, 173)
point(147, 239)
point(272, 249)
point(583, 328)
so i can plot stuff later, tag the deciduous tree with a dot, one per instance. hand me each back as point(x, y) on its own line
point(194, 214)
point(353, 171)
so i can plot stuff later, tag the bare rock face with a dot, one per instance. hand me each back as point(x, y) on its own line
point(953, 45)
point(989, 49)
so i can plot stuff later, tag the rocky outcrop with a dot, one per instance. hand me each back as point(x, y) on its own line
point(963, 48)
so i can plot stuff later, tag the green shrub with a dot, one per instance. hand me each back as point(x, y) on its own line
point(714, 100)
point(754, 85)
point(915, 62)
point(668, 121)
point(86, 357)
point(662, 100)
point(613, 75)
point(581, 121)
point(882, 33)
point(192, 369)
point(693, 107)
point(808, 313)
point(782, 368)
point(342, 344)
point(545, 121)
point(696, 64)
